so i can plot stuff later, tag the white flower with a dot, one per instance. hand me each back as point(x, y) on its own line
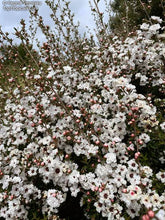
point(45, 141)
point(146, 200)
point(77, 113)
point(14, 162)
point(17, 127)
point(161, 214)
point(67, 69)
point(37, 76)
point(31, 112)
point(55, 198)
point(144, 137)
point(133, 192)
point(155, 18)
point(133, 209)
point(16, 179)
point(103, 171)
point(105, 196)
point(5, 181)
point(161, 176)
point(162, 36)
point(16, 91)
point(147, 171)
point(132, 164)
point(84, 85)
point(144, 26)
point(110, 158)
point(74, 190)
point(133, 178)
point(99, 206)
point(24, 68)
point(20, 138)
point(162, 126)
point(96, 108)
point(143, 80)
point(156, 200)
point(74, 177)
point(154, 28)
point(32, 171)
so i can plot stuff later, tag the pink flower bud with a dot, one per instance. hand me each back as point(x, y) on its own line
point(96, 188)
point(33, 125)
point(137, 155)
point(151, 213)
point(5, 196)
point(61, 113)
point(105, 145)
point(100, 190)
point(42, 164)
point(69, 138)
point(145, 217)
point(40, 122)
point(124, 190)
point(11, 197)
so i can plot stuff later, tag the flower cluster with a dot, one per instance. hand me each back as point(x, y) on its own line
point(83, 129)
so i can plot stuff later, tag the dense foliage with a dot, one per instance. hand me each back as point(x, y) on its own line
point(128, 15)
point(82, 126)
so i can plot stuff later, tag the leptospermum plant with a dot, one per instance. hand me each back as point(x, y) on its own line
point(88, 121)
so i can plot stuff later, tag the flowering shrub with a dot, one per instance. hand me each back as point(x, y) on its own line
point(86, 127)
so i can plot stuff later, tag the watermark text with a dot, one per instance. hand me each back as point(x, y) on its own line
point(9, 5)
